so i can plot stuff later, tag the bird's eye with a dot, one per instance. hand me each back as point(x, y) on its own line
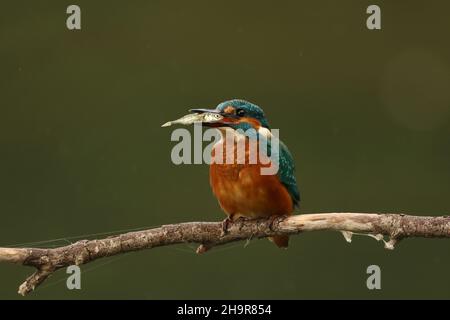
point(240, 112)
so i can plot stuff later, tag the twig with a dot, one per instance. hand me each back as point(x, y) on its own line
point(209, 234)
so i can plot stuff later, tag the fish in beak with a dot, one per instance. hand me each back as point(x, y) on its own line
point(207, 117)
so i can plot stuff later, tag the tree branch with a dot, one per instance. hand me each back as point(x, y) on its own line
point(210, 234)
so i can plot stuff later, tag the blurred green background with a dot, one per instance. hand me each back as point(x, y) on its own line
point(366, 115)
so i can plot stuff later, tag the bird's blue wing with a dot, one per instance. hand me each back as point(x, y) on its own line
point(286, 173)
point(286, 167)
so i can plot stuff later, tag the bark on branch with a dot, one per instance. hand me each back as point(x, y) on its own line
point(210, 234)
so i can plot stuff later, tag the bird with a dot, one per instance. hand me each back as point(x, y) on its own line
point(241, 189)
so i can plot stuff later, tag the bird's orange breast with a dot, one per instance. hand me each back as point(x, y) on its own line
point(242, 190)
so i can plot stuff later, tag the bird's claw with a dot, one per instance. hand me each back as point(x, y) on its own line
point(271, 221)
point(225, 224)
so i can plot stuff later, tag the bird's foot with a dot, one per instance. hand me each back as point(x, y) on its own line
point(242, 220)
point(272, 220)
point(225, 225)
point(231, 219)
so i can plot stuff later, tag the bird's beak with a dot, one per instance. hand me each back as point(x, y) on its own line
point(203, 111)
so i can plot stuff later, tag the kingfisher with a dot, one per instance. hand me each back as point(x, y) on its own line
point(241, 188)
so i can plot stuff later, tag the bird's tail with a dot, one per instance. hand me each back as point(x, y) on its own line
point(280, 241)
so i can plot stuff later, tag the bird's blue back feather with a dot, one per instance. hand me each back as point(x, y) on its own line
point(286, 169)
point(286, 173)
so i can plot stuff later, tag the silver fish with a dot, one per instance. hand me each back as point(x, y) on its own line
point(195, 117)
